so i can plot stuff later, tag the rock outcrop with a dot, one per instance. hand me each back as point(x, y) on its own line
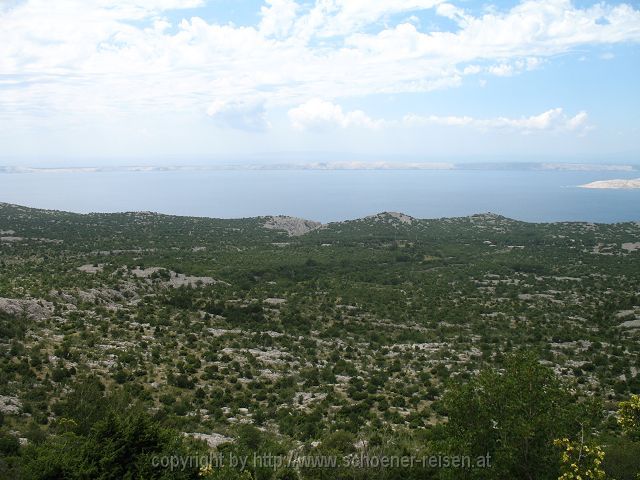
point(292, 225)
point(31, 308)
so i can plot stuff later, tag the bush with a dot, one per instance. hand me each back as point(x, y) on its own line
point(120, 445)
point(514, 416)
point(622, 458)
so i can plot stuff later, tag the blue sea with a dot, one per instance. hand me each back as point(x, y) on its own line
point(333, 195)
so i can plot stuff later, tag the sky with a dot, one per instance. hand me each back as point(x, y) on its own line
point(185, 81)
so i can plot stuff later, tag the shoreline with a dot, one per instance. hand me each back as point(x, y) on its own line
point(615, 184)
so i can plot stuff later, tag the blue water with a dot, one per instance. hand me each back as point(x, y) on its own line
point(330, 195)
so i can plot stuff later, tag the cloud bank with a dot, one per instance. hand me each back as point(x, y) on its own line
point(320, 115)
point(112, 58)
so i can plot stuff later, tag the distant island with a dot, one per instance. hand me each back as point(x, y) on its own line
point(614, 184)
point(329, 165)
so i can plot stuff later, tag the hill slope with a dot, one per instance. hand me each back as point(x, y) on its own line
point(303, 328)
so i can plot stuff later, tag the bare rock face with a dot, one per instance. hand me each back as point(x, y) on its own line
point(33, 309)
point(392, 217)
point(274, 301)
point(631, 246)
point(485, 217)
point(11, 239)
point(91, 268)
point(630, 324)
point(10, 405)
point(174, 279)
point(101, 296)
point(213, 440)
point(292, 225)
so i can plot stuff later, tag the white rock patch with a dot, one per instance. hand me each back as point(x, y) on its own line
point(213, 439)
point(292, 225)
point(91, 268)
point(175, 279)
point(10, 405)
point(33, 309)
point(631, 246)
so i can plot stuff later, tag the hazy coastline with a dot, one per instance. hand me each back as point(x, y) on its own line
point(328, 166)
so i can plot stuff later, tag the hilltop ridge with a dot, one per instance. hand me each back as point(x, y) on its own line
point(288, 222)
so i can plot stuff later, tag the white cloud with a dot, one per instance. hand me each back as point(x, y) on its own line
point(343, 17)
point(452, 12)
point(554, 119)
point(122, 57)
point(577, 122)
point(247, 115)
point(412, 120)
point(551, 120)
point(278, 17)
point(515, 39)
point(317, 114)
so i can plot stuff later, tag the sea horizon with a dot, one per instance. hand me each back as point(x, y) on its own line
point(532, 195)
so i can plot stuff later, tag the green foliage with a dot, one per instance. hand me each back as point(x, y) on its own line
point(360, 328)
point(9, 445)
point(121, 445)
point(12, 327)
point(514, 416)
point(622, 458)
point(83, 407)
point(629, 417)
point(580, 461)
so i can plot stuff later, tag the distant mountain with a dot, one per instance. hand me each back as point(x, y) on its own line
point(359, 165)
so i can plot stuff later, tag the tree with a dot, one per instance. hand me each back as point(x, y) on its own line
point(514, 416)
point(622, 459)
point(83, 407)
point(121, 444)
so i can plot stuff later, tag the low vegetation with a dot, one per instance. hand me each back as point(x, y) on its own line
point(127, 339)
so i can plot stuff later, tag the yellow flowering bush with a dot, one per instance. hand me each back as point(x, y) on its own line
point(629, 416)
point(580, 461)
point(207, 471)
